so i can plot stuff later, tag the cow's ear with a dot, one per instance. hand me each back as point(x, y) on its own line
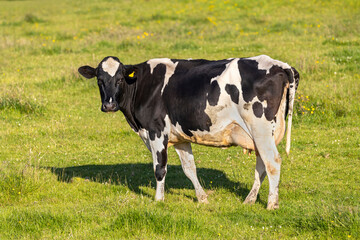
point(131, 74)
point(87, 71)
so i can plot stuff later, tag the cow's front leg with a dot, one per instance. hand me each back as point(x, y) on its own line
point(188, 165)
point(158, 148)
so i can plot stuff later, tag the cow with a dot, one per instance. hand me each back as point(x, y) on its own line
point(232, 102)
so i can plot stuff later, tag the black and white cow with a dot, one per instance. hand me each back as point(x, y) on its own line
point(234, 102)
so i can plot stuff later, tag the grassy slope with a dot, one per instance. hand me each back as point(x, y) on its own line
point(68, 170)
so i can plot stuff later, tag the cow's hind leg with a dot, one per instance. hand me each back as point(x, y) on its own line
point(272, 161)
point(188, 165)
point(260, 174)
point(266, 147)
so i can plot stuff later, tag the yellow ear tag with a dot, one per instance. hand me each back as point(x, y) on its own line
point(131, 74)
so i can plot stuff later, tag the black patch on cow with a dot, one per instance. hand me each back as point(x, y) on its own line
point(250, 74)
point(149, 109)
point(188, 91)
point(233, 91)
point(269, 87)
point(160, 169)
point(258, 109)
point(214, 93)
point(160, 172)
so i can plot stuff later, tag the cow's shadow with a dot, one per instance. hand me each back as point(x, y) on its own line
point(134, 176)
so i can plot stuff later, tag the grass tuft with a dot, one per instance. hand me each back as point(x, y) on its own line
point(21, 105)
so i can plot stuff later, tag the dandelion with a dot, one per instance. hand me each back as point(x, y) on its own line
point(146, 34)
point(138, 37)
point(44, 44)
point(212, 20)
point(53, 40)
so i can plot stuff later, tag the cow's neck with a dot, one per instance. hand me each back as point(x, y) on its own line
point(126, 105)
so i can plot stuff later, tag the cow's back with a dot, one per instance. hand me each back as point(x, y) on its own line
point(213, 102)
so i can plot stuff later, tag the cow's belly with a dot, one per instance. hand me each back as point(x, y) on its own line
point(231, 135)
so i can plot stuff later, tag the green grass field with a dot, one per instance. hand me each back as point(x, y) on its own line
point(69, 171)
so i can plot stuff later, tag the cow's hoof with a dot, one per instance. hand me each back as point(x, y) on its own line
point(272, 206)
point(249, 201)
point(159, 199)
point(203, 199)
point(251, 198)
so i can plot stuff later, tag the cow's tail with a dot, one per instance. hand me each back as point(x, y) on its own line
point(294, 77)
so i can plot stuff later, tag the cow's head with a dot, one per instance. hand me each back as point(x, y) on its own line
point(112, 77)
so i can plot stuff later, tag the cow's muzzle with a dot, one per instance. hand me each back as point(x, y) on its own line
point(109, 107)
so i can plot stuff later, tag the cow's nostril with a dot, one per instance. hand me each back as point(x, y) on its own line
point(109, 106)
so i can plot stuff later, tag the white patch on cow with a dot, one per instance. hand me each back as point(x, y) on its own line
point(156, 61)
point(110, 100)
point(214, 79)
point(144, 135)
point(110, 66)
point(265, 63)
point(170, 68)
point(226, 111)
point(160, 190)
